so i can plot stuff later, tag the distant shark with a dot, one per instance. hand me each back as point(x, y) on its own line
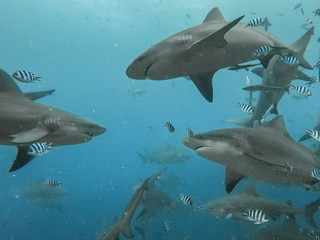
point(232, 206)
point(123, 225)
point(24, 122)
point(276, 80)
point(202, 50)
point(266, 153)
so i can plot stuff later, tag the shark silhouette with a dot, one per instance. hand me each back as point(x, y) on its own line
point(266, 153)
point(123, 225)
point(202, 50)
point(24, 122)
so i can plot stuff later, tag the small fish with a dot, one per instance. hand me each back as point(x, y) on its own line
point(315, 237)
point(297, 6)
point(37, 149)
point(316, 173)
point(169, 126)
point(247, 108)
point(317, 12)
point(189, 132)
point(302, 11)
point(312, 80)
point(256, 215)
point(186, 199)
point(25, 76)
point(288, 167)
point(256, 22)
point(302, 90)
point(53, 183)
point(314, 134)
point(291, 60)
point(262, 51)
point(308, 20)
point(166, 226)
point(317, 65)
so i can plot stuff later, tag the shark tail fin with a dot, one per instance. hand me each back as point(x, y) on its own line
point(300, 47)
point(309, 210)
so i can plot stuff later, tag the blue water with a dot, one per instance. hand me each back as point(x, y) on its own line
point(82, 48)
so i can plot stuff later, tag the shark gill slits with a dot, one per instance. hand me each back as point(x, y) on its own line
point(25, 76)
point(247, 108)
point(301, 90)
point(314, 134)
point(52, 124)
point(37, 149)
point(52, 182)
point(256, 215)
point(186, 199)
point(316, 173)
point(169, 126)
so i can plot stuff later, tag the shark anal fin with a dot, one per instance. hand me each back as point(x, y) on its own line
point(22, 158)
point(31, 135)
point(232, 179)
point(217, 38)
point(36, 95)
point(204, 84)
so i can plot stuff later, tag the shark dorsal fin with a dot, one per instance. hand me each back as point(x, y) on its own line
point(278, 124)
point(214, 15)
point(7, 84)
point(232, 179)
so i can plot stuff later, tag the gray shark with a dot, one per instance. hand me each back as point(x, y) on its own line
point(262, 153)
point(123, 225)
point(202, 50)
point(24, 122)
point(232, 206)
point(277, 75)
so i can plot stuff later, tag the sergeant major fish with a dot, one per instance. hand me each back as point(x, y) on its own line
point(247, 108)
point(302, 90)
point(25, 76)
point(37, 149)
point(53, 183)
point(186, 199)
point(256, 215)
point(316, 173)
point(314, 134)
point(169, 126)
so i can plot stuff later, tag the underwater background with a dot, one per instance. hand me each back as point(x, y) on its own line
point(82, 48)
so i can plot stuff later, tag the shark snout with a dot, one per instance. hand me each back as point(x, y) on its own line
point(96, 129)
point(138, 69)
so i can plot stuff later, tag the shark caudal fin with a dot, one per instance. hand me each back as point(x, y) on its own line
point(300, 47)
point(309, 210)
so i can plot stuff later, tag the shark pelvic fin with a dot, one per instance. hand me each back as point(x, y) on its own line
point(214, 15)
point(29, 136)
point(216, 39)
point(22, 158)
point(204, 84)
point(232, 179)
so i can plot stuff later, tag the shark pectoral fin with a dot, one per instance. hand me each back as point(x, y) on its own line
point(217, 38)
point(29, 136)
point(204, 84)
point(126, 230)
point(258, 71)
point(302, 76)
point(22, 158)
point(36, 95)
point(232, 179)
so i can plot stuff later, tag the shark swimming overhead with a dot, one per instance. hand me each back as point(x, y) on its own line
point(24, 122)
point(266, 153)
point(200, 51)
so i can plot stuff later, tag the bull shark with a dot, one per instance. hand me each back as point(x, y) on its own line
point(123, 225)
point(24, 122)
point(276, 80)
point(262, 153)
point(232, 206)
point(200, 51)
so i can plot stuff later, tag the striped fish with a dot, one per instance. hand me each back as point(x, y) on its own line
point(37, 149)
point(315, 237)
point(317, 65)
point(186, 199)
point(261, 51)
point(189, 132)
point(312, 80)
point(169, 126)
point(256, 22)
point(297, 6)
point(291, 60)
point(256, 215)
point(25, 76)
point(308, 20)
point(166, 226)
point(316, 173)
point(314, 134)
point(302, 90)
point(53, 183)
point(247, 108)
point(317, 12)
